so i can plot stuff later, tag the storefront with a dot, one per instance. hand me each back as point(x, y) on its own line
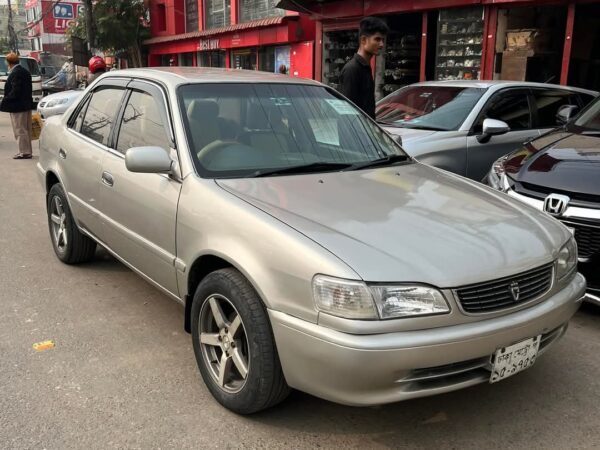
point(556, 41)
point(283, 43)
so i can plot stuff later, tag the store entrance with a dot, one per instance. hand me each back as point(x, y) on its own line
point(244, 59)
point(529, 43)
point(584, 67)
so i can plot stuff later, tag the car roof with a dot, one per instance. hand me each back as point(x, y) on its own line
point(174, 76)
point(499, 84)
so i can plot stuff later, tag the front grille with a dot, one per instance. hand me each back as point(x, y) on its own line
point(37, 92)
point(587, 235)
point(498, 294)
point(541, 192)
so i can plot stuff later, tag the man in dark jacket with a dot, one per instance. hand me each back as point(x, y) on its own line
point(17, 101)
point(356, 78)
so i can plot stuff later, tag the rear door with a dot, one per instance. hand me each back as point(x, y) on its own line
point(81, 152)
point(139, 210)
point(508, 105)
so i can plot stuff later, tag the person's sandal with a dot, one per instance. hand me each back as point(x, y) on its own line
point(21, 156)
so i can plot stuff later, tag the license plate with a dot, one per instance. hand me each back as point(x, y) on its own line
point(514, 358)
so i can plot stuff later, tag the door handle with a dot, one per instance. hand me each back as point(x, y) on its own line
point(107, 179)
point(62, 154)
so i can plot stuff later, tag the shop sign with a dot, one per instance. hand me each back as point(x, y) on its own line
point(209, 44)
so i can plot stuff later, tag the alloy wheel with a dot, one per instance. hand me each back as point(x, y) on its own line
point(224, 343)
point(59, 224)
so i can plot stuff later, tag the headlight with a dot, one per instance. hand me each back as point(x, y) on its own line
point(497, 177)
point(404, 301)
point(567, 259)
point(58, 101)
point(356, 300)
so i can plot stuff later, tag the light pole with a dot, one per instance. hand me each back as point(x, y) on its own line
point(90, 25)
point(13, 42)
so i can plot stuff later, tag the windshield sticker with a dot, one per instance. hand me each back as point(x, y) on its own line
point(342, 107)
point(281, 101)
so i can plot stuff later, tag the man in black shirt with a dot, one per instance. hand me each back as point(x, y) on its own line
point(356, 78)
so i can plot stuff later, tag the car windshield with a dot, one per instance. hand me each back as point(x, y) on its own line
point(589, 120)
point(442, 108)
point(29, 63)
point(245, 130)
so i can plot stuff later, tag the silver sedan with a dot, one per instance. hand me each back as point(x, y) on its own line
point(464, 126)
point(307, 249)
point(56, 104)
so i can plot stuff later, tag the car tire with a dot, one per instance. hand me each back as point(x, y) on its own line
point(70, 245)
point(238, 342)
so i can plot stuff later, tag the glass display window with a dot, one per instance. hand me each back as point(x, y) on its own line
point(460, 44)
point(339, 47)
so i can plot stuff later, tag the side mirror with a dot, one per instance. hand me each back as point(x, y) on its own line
point(398, 139)
point(492, 127)
point(148, 160)
point(566, 113)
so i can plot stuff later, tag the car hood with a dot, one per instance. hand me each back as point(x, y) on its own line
point(409, 223)
point(409, 134)
point(559, 160)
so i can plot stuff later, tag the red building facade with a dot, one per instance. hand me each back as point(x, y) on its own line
point(47, 23)
point(244, 34)
point(554, 41)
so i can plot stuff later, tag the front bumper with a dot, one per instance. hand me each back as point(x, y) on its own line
point(363, 370)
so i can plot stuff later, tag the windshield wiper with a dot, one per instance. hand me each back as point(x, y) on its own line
point(422, 127)
point(304, 168)
point(387, 160)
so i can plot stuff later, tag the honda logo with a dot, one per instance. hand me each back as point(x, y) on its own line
point(556, 204)
point(515, 290)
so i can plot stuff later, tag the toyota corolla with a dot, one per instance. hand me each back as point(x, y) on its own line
point(307, 249)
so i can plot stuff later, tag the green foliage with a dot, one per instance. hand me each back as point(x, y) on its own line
point(119, 28)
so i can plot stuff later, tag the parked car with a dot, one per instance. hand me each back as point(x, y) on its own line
point(58, 103)
point(36, 77)
point(308, 249)
point(560, 173)
point(464, 126)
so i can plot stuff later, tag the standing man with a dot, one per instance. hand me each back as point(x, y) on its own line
point(356, 78)
point(18, 102)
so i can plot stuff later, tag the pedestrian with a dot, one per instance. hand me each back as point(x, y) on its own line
point(283, 70)
point(18, 103)
point(356, 78)
point(96, 67)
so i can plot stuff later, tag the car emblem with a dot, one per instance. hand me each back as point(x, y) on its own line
point(556, 204)
point(515, 291)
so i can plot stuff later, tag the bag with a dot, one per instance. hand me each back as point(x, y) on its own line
point(36, 126)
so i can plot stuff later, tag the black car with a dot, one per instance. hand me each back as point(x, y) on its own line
point(559, 173)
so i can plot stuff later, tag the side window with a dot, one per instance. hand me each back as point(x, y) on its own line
point(585, 99)
point(100, 114)
point(548, 102)
point(75, 122)
point(510, 107)
point(142, 124)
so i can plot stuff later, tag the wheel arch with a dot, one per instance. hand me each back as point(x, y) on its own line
point(203, 266)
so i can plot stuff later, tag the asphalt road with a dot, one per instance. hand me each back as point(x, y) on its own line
point(122, 373)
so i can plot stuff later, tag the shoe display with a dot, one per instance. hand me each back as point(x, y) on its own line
point(460, 36)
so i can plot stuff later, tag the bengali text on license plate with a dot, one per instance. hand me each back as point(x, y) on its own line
point(514, 358)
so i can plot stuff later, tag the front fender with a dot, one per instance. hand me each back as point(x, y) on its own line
point(278, 261)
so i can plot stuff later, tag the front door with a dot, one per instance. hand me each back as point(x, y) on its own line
point(139, 210)
point(510, 106)
point(80, 153)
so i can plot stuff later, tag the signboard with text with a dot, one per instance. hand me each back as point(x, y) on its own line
point(60, 15)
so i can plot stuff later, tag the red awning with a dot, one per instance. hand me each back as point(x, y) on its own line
point(215, 31)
